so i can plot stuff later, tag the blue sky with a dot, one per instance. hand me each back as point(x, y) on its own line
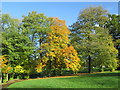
point(67, 11)
point(60, 0)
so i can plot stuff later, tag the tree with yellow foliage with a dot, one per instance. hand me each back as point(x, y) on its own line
point(58, 54)
point(4, 67)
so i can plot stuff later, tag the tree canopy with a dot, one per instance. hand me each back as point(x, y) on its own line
point(43, 45)
point(92, 40)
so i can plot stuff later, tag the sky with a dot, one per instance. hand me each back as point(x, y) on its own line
point(60, 0)
point(67, 11)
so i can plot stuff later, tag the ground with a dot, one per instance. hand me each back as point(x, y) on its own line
point(98, 80)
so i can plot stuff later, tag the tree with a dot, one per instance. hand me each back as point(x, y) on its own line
point(4, 67)
point(105, 52)
point(35, 26)
point(59, 55)
point(8, 25)
point(113, 27)
point(15, 44)
point(87, 35)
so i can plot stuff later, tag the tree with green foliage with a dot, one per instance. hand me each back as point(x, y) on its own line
point(15, 44)
point(113, 25)
point(105, 52)
point(35, 26)
point(92, 40)
point(8, 25)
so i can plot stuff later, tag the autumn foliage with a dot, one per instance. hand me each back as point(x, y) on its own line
point(5, 68)
point(44, 45)
point(59, 55)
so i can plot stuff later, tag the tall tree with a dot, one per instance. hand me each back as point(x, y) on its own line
point(105, 52)
point(113, 25)
point(17, 46)
point(59, 55)
point(35, 26)
point(9, 29)
point(87, 35)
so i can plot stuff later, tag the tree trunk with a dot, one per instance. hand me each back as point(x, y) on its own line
point(12, 75)
point(101, 68)
point(33, 37)
point(1, 77)
point(40, 55)
point(49, 68)
point(118, 68)
point(89, 66)
point(40, 42)
point(27, 76)
point(119, 53)
point(60, 71)
point(7, 77)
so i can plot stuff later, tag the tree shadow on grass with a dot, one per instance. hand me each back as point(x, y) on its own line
point(96, 75)
point(104, 74)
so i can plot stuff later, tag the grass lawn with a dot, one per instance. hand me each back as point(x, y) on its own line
point(99, 80)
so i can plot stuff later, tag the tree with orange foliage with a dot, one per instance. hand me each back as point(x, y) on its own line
point(71, 58)
point(58, 54)
point(4, 67)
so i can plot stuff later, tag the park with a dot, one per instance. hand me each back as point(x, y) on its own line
point(43, 52)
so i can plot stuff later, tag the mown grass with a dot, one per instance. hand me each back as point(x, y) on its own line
point(99, 80)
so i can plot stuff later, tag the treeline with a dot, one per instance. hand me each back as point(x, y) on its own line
point(41, 44)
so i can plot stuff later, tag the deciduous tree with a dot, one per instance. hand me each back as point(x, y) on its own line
point(113, 25)
point(92, 40)
point(58, 52)
point(15, 44)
